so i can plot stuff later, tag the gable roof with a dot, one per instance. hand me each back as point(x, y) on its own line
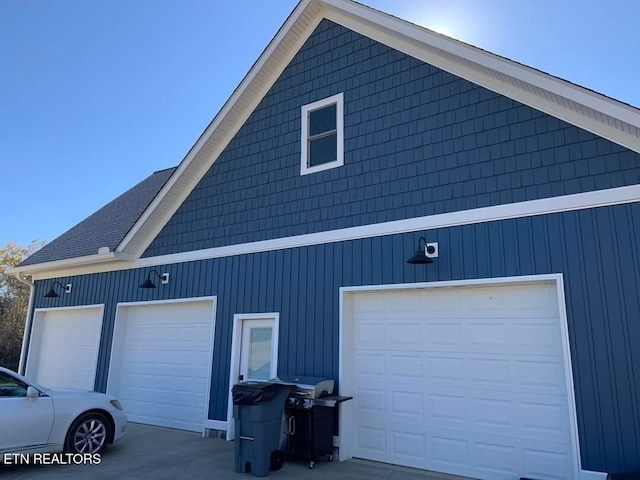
point(105, 228)
point(601, 115)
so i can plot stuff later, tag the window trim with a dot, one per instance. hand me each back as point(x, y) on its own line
point(338, 100)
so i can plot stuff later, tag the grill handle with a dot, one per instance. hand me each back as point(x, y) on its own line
point(291, 425)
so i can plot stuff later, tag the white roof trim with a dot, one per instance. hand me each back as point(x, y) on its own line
point(67, 263)
point(589, 110)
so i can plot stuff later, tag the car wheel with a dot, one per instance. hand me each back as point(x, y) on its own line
point(89, 433)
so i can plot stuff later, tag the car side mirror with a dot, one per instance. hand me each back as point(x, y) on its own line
point(32, 392)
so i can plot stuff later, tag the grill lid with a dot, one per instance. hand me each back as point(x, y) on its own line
point(309, 387)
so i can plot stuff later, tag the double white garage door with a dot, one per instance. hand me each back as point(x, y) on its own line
point(160, 359)
point(468, 381)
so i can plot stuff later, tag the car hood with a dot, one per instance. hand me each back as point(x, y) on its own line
point(59, 393)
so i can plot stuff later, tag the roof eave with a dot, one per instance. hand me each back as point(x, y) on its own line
point(84, 261)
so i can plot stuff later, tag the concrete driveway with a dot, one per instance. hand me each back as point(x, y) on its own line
point(162, 453)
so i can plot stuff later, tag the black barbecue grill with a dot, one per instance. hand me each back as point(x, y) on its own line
point(310, 416)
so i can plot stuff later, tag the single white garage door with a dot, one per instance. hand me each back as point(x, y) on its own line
point(63, 350)
point(161, 363)
point(466, 380)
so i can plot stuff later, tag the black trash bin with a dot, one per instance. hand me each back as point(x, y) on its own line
point(258, 409)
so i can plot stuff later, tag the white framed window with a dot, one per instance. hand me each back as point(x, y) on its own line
point(322, 135)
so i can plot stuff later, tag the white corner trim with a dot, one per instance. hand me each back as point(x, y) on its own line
point(28, 324)
point(338, 101)
point(545, 206)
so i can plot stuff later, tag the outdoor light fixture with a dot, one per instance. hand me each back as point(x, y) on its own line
point(423, 256)
point(164, 278)
point(52, 293)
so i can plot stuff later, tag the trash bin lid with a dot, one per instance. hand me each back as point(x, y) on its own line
point(254, 393)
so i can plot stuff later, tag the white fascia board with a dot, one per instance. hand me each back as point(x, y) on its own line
point(66, 263)
point(545, 206)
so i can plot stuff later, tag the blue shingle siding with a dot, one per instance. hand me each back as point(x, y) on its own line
point(597, 250)
point(418, 141)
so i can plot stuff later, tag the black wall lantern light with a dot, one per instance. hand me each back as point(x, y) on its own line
point(424, 255)
point(52, 293)
point(164, 278)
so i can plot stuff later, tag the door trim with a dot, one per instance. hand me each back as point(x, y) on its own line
point(236, 343)
point(345, 339)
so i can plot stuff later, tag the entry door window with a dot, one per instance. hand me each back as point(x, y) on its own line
point(257, 350)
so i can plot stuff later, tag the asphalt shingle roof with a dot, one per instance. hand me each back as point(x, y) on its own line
point(105, 228)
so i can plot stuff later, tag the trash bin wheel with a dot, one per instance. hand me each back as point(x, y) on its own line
point(277, 460)
point(330, 457)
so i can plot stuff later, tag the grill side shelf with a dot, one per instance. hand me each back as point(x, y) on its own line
point(330, 401)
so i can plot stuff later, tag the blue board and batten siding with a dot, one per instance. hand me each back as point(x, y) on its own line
point(418, 141)
point(597, 250)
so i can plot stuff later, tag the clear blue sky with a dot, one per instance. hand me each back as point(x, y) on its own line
point(95, 96)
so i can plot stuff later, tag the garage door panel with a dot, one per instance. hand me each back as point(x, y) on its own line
point(409, 367)
point(162, 374)
point(403, 335)
point(530, 336)
point(497, 460)
point(521, 373)
point(535, 416)
point(456, 451)
point(441, 334)
point(468, 381)
point(64, 347)
point(406, 404)
point(540, 299)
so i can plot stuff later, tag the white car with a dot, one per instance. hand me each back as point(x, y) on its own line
point(35, 419)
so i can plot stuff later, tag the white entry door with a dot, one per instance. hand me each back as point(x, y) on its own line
point(257, 350)
point(254, 353)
